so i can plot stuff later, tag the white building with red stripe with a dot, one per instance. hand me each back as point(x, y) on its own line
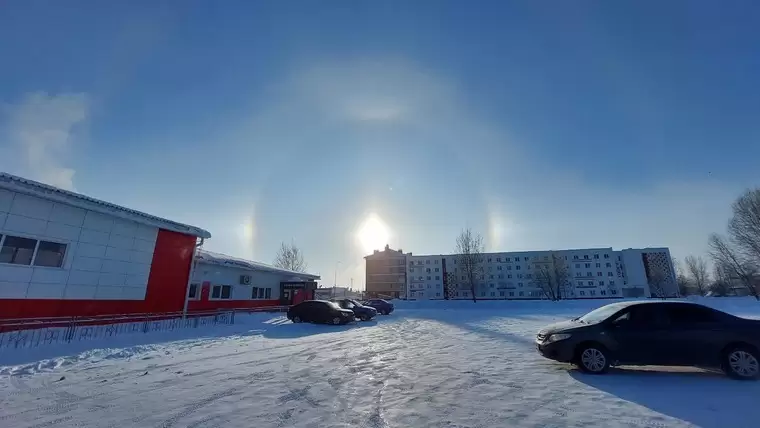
point(64, 254)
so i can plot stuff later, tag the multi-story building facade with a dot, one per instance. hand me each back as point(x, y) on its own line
point(585, 273)
point(386, 274)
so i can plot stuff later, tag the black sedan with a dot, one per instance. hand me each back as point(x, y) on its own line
point(382, 306)
point(364, 313)
point(319, 311)
point(655, 333)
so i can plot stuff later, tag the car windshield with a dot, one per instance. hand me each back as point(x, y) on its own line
point(334, 305)
point(601, 314)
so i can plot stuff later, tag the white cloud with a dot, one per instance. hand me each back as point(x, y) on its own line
point(39, 133)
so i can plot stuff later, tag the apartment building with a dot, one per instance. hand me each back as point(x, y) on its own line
point(386, 274)
point(587, 273)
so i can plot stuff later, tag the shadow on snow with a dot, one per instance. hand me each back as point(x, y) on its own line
point(703, 398)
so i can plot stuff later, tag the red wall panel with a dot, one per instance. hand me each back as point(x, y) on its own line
point(169, 272)
point(167, 283)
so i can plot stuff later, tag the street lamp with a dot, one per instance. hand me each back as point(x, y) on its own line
point(335, 280)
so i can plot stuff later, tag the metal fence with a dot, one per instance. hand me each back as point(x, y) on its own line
point(30, 333)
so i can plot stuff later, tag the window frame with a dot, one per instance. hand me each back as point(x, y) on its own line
point(220, 287)
point(197, 286)
point(38, 240)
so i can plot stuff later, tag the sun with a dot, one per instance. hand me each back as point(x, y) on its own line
point(373, 233)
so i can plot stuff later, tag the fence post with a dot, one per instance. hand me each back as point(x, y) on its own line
point(71, 329)
point(145, 324)
point(232, 317)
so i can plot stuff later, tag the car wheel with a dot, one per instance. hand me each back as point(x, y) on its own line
point(742, 362)
point(336, 320)
point(593, 359)
point(296, 319)
point(364, 318)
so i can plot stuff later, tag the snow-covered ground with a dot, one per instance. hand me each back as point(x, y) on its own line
point(430, 364)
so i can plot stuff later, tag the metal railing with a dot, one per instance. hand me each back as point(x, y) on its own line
point(33, 332)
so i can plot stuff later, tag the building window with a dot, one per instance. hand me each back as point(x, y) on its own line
point(463, 277)
point(590, 283)
point(511, 294)
point(529, 275)
point(520, 284)
point(411, 270)
point(596, 256)
point(508, 259)
point(428, 278)
point(598, 265)
point(517, 267)
point(601, 283)
point(482, 294)
point(609, 273)
point(192, 293)
point(438, 278)
point(577, 265)
point(501, 276)
point(589, 274)
point(427, 270)
point(493, 294)
point(17, 251)
point(592, 292)
point(603, 292)
point(437, 294)
point(609, 265)
point(436, 261)
point(575, 257)
point(490, 276)
point(222, 292)
point(509, 267)
point(489, 260)
point(501, 294)
point(613, 291)
point(50, 254)
point(612, 282)
point(522, 294)
point(262, 293)
point(428, 286)
point(427, 262)
point(490, 268)
point(491, 285)
point(585, 257)
point(254, 293)
point(498, 259)
point(582, 293)
point(498, 267)
point(598, 274)
point(606, 256)
point(509, 275)
point(436, 269)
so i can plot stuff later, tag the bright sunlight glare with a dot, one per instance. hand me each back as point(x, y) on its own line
point(373, 233)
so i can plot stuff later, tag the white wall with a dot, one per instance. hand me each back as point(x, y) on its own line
point(106, 257)
point(224, 275)
point(422, 284)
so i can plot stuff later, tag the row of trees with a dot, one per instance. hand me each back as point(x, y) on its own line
point(735, 256)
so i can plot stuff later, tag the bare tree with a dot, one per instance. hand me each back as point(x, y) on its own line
point(290, 257)
point(684, 288)
point(722, 284)
point(554, 279)
point(469, 258)
point(744, 227)
point(734, 263)
point(697, 269)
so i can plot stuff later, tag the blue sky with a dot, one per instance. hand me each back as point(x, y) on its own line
point(343, 124)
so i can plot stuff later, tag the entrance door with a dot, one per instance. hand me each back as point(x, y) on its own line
point(287, 296)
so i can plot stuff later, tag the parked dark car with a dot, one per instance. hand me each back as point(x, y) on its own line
point(319, 311)
point(655, 333)
point(384, 307)
point(364, 313)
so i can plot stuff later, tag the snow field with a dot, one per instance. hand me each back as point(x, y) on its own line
point(429, 364)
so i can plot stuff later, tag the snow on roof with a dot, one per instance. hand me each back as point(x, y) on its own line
point(44, 191)
point(210, 257)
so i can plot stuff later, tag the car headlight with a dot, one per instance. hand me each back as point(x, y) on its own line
point(557, 337)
